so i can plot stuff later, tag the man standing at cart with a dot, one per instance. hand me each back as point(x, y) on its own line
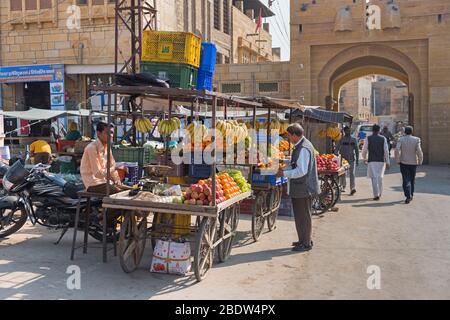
point(376, 156)
point(303, 185)
point(348, 149)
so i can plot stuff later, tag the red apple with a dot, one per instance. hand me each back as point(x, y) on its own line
point(210, 198)
point(205, 202)
point(193, 201)
point(207, 191)
point(201, 196)
point(188, 196)
point(195, 195)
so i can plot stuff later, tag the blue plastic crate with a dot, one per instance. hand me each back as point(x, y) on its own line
point(208, 57)
point(204, 80)
point(270, 179)
point(200, 171)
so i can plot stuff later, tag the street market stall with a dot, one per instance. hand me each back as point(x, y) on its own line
point(206, 212)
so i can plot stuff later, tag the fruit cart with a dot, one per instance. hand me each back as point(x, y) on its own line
point(210, 227)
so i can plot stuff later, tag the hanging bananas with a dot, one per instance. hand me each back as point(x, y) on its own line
point(197, 131)
point(167, 127)
point(143, 125)
point(232, 129)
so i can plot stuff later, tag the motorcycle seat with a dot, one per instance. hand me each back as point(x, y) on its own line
point(8, 202)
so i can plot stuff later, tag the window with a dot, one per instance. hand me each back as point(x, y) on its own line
point(226, 17)
point(217, 14)
point(15, 5)
point(98, 2)
point(227, 60)
point(268, 87)
point(30, 4)
point(231, 88)
point(46, 4)
point(82, 2)
point(219, 58)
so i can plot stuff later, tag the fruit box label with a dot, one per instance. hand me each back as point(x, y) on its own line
point(165, 50)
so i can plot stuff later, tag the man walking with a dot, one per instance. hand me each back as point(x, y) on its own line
point(409, 155)
point(376, 154)
point(303, 185)
point(349, 150)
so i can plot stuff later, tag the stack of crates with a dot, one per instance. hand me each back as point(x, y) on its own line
point(172, 56)
point(207, 66)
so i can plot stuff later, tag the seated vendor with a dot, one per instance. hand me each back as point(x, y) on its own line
point(41, 151)
point(93, 167)
point(73, 134)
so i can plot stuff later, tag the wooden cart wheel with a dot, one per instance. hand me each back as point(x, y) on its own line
point(258, 217)
point(227, 231)
point(336, 190)
point(204, 251)
point(323, 202)
point(272, 218)
point(133, 235)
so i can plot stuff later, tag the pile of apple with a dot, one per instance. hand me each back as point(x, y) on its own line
point(325, 163)
point(201, 193)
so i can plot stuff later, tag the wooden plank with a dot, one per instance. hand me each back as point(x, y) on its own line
point(130, 204)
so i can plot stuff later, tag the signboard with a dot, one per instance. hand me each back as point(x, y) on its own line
point(53, 73)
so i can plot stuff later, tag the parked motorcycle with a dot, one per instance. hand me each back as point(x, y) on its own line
point(46, 199)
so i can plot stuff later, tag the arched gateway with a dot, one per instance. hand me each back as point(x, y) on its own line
point(416, 51)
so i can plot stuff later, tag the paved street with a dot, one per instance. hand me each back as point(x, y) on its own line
point(410, 244)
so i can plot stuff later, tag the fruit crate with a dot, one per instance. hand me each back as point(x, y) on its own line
point(129, 154)
point(173, 47)
point(178, 75)
point(201, 171)
point(268, 179)
point(204, 80)
point(208, 57)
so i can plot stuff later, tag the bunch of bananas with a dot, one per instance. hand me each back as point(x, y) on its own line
point(283, 127)
point(166, 127)
point(197, 131)
point(332, 132)
point(143, 125)
point(232, 129)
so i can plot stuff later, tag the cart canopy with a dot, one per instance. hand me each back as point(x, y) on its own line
point(322, 115)
point(43, 114)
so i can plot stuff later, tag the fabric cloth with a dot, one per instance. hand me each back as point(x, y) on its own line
point(366, 152)
point(42, 157)
point(348, 148)
point(376, 170)
point(303, 221)
point(376, 144)
point(377, 186)
point(409, 150)
point(352, 174)
point(40, 146)
point(308, 184)
point(73, 135)
point(93, 167)
point(409, 178)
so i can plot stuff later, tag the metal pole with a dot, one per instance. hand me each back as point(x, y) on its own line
point(269, 153)
point(290, 121)
point(166, 138)
point(108, 151)
point(213, 168)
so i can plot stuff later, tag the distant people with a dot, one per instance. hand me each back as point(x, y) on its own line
point(303, 185)
point(389, 137)
point(409, 155)
point(361, 135)
point(41, 151)
point(376, 154)
point(348, 148)
point(73, 134)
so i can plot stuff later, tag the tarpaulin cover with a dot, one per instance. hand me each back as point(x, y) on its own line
point(43, 114)
point(323, 115)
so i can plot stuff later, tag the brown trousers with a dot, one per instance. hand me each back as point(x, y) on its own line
point(101, 189)
point(303, 223)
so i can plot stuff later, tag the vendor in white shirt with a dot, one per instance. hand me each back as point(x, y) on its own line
point(303, 184)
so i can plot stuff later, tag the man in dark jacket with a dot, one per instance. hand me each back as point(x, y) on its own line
point(348, 148)
point(303, 185)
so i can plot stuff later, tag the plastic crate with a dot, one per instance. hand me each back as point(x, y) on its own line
point(179, 75)
point(208, 57)
point(200, 171)
point(205, 80)
point(128, 154)
point(173, 47)
point(268, 179)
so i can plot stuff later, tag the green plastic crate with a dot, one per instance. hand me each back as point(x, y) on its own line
point(180, 75)
point(128, 154)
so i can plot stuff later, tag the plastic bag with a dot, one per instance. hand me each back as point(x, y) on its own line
point(171, 257)
point(168, 190)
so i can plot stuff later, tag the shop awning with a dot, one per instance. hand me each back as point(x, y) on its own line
point(42, 114)
point(323, 115)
